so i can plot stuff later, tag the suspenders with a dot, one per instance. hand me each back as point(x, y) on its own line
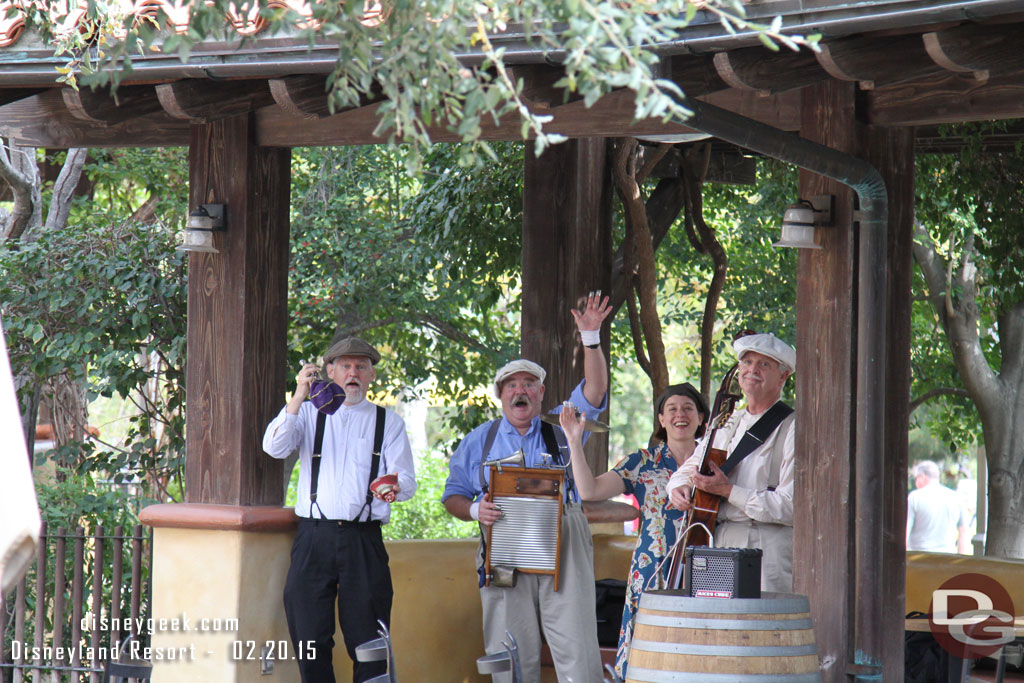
point(318, 444)
point(756, 435)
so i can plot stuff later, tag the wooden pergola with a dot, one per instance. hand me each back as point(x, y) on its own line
point(887, 74)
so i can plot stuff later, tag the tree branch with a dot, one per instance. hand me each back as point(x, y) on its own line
point(22, 179)
point(663, 207)
point(694, 171)
point(442, 327)
point(933, 393)
point(625, 173)
point(958, 316)
point(651, 160)
point(64, 188)
point(634, 331)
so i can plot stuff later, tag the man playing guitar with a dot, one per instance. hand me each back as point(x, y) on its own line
point(756, 480)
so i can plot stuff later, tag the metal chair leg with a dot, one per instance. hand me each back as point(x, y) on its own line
point(611, 672)
point(379, 650)
point(503, 661)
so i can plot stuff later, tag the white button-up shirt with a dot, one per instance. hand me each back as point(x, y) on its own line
point(345, 458)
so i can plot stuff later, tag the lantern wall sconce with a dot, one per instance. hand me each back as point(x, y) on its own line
point(204, 220)
point(802, 218)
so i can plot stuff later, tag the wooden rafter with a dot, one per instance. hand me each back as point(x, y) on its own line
point(695, 74)
point(758, 68)
point(44, 120)
point(201, 101)
point(102, 107)
point(947, 98)
point(877, 61)
point(981, 50)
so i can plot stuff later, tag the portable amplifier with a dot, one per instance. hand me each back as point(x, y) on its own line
point(722, 572)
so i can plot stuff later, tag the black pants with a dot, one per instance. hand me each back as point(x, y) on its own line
point(346, 561)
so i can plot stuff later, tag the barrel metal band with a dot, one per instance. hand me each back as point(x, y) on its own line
point(768, 603)
point(637, 673)
point(725, 650)
point(726, 624)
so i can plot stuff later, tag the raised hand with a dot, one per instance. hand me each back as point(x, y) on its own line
point(594, 312)
point(307, 375)
point(572, 422)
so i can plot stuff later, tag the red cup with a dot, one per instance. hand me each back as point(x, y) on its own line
point(384, 485)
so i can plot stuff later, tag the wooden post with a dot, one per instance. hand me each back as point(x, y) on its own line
point(826, 357)
point(567, 202)
point(237, 316)
point(891, 151)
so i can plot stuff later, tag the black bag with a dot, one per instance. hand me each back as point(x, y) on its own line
point(924, 660)
point(611, 600)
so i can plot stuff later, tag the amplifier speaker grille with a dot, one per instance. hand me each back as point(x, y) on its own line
point(723, 572)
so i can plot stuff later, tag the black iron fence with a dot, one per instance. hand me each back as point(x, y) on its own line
point(75, 610)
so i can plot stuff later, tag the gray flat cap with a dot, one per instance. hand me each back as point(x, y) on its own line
point(351, 346)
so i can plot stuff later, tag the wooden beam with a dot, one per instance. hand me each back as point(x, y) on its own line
point(203, 101)
point(611, 116)
point(726, 165)
point(877, 61)
point(766, 71)
point(539, 88)
point(567, 244)
point(43, 120)
point(826, 356)
point(237, 317)
point(102, 107)
point(8, 95)
point(304, 96)
point(695, 74)
point(946, 98)
point(981, 50)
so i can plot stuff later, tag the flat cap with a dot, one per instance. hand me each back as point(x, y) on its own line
point(351, 346)
point(769, 345)
point(518, 365)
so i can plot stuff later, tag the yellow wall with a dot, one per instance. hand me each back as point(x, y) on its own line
point(436, 619)
point(214, 574)
point(928, 571)
point(218, 576)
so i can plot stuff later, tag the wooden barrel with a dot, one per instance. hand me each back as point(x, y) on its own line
point(768, 640)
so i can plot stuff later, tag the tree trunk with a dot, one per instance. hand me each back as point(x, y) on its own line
point(1002, 420)
point(953, 293)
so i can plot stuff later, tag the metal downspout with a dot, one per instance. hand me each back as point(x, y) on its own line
point(865, 180)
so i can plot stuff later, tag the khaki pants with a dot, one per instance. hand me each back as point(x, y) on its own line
point(568, 617)
point(776, 544)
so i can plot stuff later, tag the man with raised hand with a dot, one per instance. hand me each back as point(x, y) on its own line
point(568, 617)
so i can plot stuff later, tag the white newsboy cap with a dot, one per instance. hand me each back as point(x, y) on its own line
point(769, 345)
point(512, 367)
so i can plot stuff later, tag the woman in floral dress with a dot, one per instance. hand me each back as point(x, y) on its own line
point(682, 412)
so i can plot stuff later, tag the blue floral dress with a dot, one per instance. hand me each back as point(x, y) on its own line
point(645, 474)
